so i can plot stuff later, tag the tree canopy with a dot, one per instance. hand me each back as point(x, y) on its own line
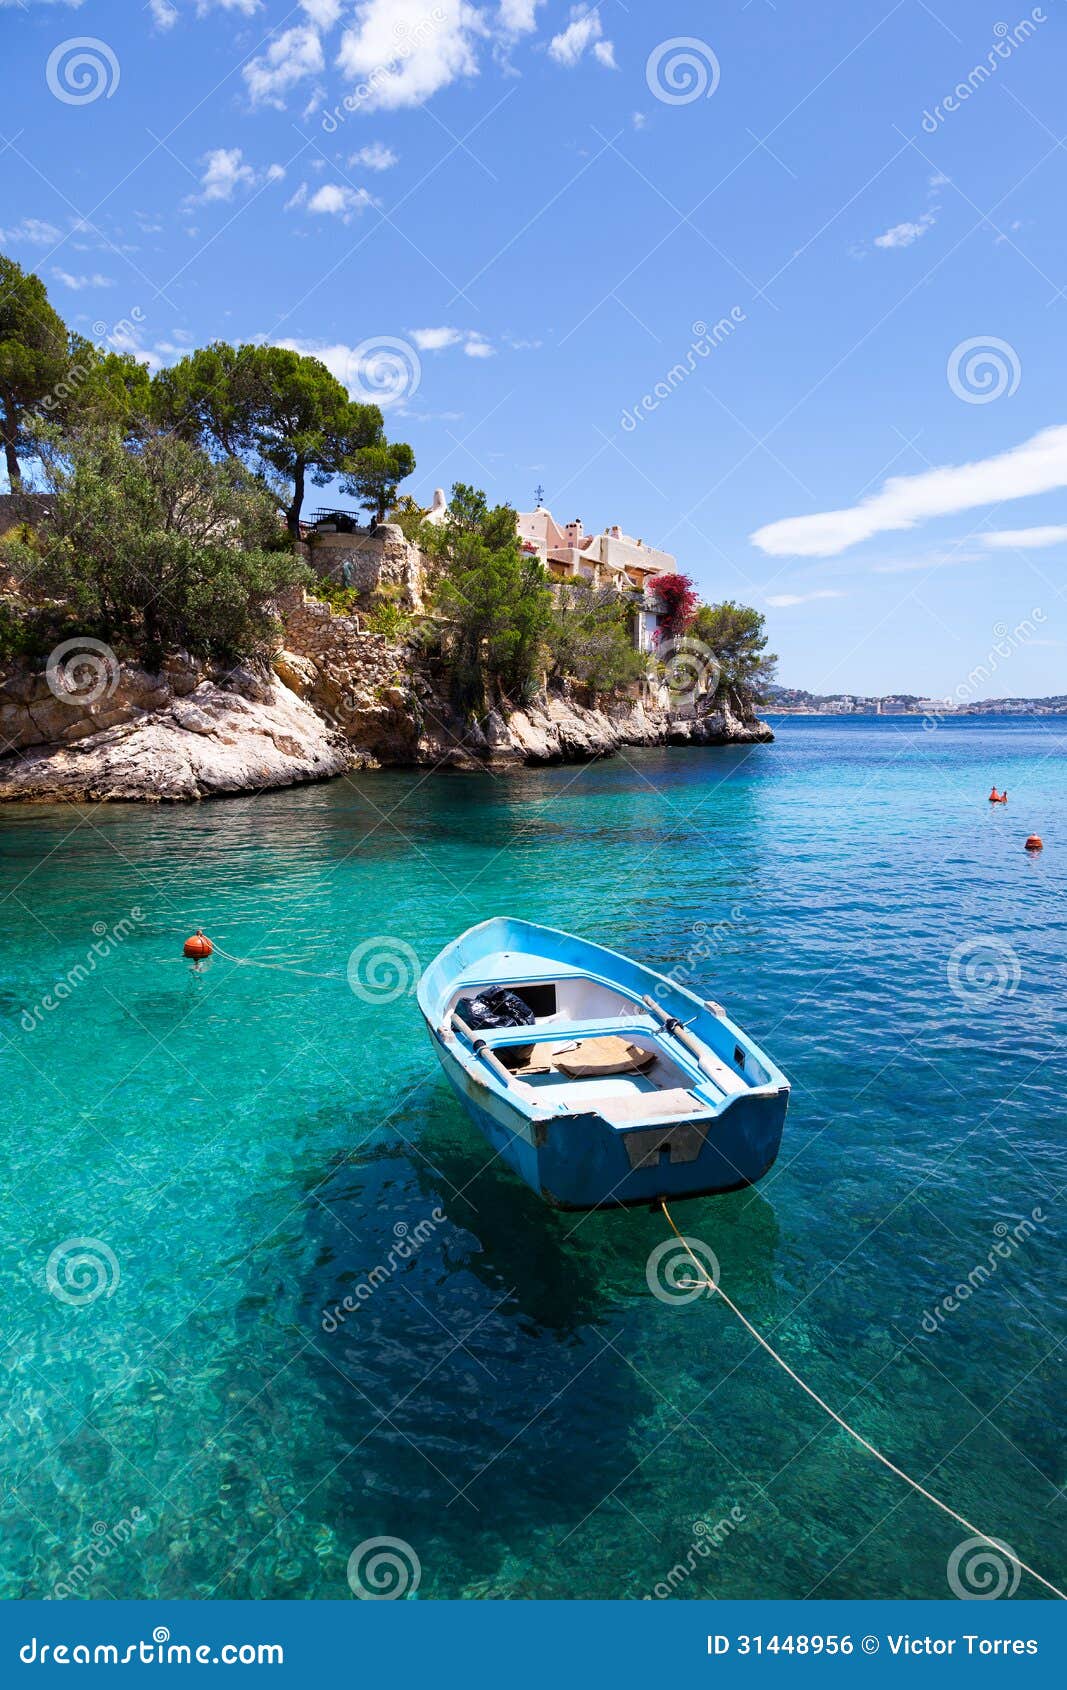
point(286, 417)
point(737, 635)
point(157, 544)
point(34, 358)
point(496, 600)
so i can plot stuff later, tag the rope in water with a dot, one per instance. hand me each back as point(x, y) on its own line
point(995, 1543)
point(276, 967)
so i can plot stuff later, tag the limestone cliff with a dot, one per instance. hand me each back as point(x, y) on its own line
point(338, 697)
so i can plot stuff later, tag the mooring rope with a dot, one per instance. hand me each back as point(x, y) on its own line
point(995, 1543)
point(276, 967)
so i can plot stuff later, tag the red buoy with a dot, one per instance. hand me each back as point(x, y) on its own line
point(198, 946)
point(1035, 843)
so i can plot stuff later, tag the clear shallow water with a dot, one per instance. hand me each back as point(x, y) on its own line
point(511, 1401)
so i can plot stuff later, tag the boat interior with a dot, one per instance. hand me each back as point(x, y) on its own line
point(591, 1044)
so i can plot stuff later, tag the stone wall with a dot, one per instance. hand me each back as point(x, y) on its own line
point(368, 561)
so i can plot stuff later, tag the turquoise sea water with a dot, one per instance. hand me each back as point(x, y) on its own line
point(243, 1147)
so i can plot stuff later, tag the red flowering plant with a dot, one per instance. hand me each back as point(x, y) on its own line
point(679, 600)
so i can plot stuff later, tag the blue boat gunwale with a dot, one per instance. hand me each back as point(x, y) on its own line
point(449, 970)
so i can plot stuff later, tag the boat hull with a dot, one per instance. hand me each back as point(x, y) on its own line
point(582, 1162)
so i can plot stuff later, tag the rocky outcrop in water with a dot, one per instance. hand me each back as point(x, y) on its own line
point(338, 697)
point(183, 733)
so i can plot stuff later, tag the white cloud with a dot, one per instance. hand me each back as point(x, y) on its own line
point(376, 156)
point(519, 17)
point(1024, 539)
point(905, 234)
point(474, 343)
point(434, 340)
point(780, 601)
point(341, 360)
point(334, 199)
point(33, 230)
point(291, 56)
point(1039, 465)
point(400, 52)
point(323, 13)
point(164, 15)
point(224, 172)
point(584, 31)
point(77, 283)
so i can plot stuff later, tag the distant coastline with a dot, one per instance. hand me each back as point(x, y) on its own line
point(794, 701)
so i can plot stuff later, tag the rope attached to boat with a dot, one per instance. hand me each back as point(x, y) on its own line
point(996, 1543)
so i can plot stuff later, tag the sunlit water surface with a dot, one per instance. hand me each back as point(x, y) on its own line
point(511, 1401)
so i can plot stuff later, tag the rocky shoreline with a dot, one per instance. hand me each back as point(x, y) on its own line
point(336, 698)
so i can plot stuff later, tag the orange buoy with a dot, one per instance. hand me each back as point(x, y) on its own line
point(1035, 842)
point(198, 946)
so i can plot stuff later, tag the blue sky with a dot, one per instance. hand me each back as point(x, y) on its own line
point(515, 220)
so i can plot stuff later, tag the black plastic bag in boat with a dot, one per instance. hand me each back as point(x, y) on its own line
point(498, 1008)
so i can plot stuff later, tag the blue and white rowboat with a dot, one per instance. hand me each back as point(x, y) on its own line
point(624, 1089)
